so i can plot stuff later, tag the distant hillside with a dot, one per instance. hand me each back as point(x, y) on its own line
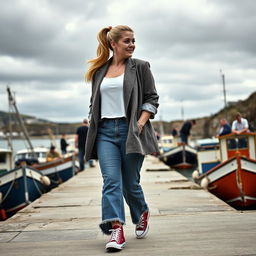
point(35, 126)
point(205, 127)
point(208, 126)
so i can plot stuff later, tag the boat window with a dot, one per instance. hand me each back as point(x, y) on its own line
point(20, 156)
point(2, 157)
point(33, 155)
point(167, 141)
point(237, 143)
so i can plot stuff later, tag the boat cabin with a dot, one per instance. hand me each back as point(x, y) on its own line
point(6, 161)
point(233, 144)
point(39, 154)
point(208, 154)
point(166, 143)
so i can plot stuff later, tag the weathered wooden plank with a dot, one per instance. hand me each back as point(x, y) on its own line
point(184, 220)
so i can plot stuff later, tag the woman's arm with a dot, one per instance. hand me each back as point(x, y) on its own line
point(144, 117)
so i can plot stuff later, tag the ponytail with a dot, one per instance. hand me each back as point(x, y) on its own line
point(102, 54)
point(105, 36)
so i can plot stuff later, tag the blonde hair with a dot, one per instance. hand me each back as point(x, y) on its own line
point(105, 36)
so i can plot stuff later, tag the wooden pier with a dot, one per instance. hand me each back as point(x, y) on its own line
point(185, 220)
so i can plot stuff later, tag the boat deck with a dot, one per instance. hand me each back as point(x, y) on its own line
point(185, 220)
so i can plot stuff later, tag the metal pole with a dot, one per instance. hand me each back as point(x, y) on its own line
point(161, 126)
point(24, 129)
point(224, 92)
point(182, 111)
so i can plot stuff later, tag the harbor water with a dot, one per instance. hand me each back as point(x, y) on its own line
point(19, 144)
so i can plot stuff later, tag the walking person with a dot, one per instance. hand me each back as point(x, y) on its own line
point(63, 144)
point(185, 130)
point(123, 100)
point(80, 140)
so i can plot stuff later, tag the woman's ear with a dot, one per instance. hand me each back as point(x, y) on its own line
point(112, 44)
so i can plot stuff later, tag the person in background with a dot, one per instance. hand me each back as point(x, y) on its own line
point(52, 154)
point(63, 144)
point(123, 100)
point(185, 130)
point(240, 125)
point(175, 132)
point(80, 140)
point(225, 128)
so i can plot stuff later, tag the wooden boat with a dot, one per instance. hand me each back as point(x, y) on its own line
point(234, 179)
point(59, 170)
point(19, 187)
point(182, 156)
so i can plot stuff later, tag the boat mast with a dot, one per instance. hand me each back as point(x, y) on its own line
point(161, 128)
point(21, 123)
point(182, 110)
point(224, 92)
point(9, 136)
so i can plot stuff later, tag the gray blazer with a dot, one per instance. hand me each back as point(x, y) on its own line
point(139, 94)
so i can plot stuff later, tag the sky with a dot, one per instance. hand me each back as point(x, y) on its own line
point(45, 46)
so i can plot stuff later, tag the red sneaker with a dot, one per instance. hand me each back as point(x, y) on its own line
point(117, 240)
point(142, 228)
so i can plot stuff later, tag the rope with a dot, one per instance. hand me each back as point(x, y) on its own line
point(59, 181)
point(9, 189)
point(35, 183)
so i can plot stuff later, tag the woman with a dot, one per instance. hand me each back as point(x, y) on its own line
point(123, 100)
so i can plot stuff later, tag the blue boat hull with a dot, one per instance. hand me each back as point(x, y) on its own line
point(180, 157)
point(20, 187)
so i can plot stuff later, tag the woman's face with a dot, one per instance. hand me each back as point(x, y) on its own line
point(125, 46)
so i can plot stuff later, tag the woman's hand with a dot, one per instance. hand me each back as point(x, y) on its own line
point(145, 115)
point(140, 126)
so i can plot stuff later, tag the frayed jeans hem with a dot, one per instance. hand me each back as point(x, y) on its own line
point(106, 225)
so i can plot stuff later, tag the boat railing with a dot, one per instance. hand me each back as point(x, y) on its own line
point(243, 144)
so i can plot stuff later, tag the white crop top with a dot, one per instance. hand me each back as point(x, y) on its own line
point(112, 99)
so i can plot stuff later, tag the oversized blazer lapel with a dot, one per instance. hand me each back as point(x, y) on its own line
point(99, 75)
point(129, 81)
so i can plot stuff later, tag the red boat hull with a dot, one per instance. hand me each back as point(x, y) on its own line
point(234, 181)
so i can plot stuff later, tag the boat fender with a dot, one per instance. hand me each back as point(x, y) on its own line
point(45, 180)
point(204, 183)
point(195, 174)
point(3, 215)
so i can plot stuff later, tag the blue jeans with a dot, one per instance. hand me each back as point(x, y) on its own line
point(121, 174)
point(184, 138)
point(81, 153)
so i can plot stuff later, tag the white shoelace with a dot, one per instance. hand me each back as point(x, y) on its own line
point(115, 234)
point(141, 222)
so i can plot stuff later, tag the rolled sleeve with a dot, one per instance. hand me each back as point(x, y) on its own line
point(150, 96)
point(149, 108)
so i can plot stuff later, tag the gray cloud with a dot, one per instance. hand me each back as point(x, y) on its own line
point(44, 46)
